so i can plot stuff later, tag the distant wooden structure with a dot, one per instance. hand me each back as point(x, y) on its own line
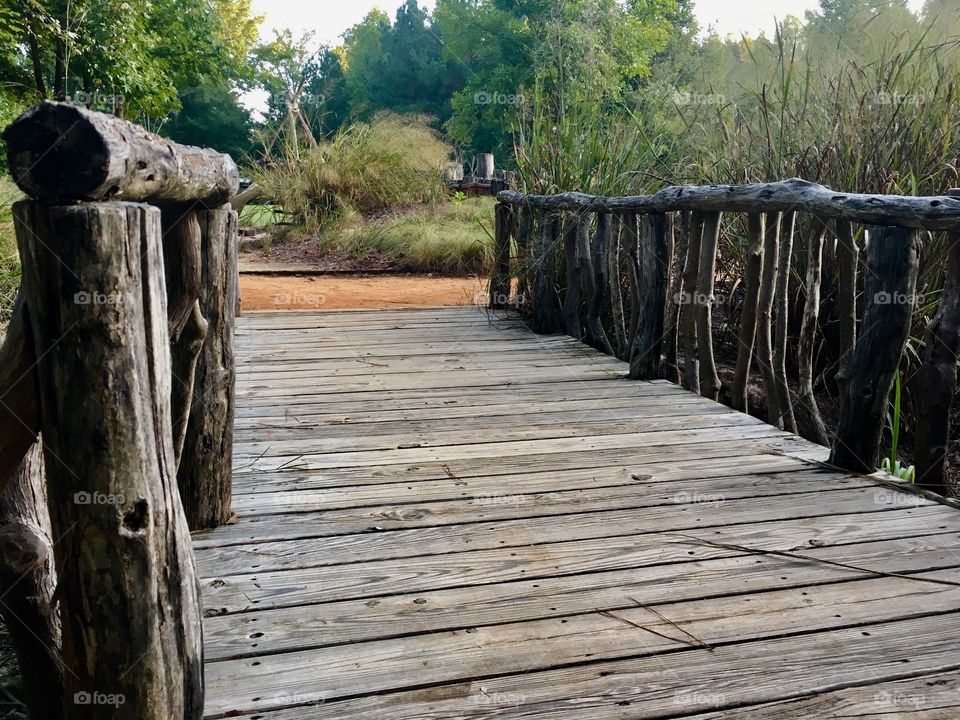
point(485, 179)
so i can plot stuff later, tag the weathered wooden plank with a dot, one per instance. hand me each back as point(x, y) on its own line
point(303, 626)
point(687, 682)
point(541, 644)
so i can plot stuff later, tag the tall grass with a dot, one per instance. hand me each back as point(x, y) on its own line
point(9, 260)
point(395, 161)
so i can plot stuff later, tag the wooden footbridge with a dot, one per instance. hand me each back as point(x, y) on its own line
point(432, 514)
point(443, 515)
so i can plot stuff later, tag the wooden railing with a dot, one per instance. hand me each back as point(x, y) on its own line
point(119, 359)
point(609, 262)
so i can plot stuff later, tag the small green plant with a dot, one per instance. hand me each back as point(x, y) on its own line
point(892, 464)
point(458, 197)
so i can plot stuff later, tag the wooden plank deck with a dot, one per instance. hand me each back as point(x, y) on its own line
point(442, 515)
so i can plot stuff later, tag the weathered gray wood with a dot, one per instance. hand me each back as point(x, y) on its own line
point(811, 423)
point(924, 213)
point(782, 309)
point(647, 348)
point(60, 151)
point(485, 166)
point(598, 286)
point(19, 406)
point(892, 264)
point(525, 228)
point(28, 579)
point(688, 309)
point(847, 259)
point(204, 476)
point(187, 326)
point(543, 290)
point(578, 269)
point(127, 589)
point(500, 279)
point(671, 366)
point(937, 381)
point(748, 318)
point(703, 303)
point(254, 192)
point(615, 288)
point(768, 289)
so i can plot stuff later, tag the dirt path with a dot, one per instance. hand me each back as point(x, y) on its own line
point(342, 292)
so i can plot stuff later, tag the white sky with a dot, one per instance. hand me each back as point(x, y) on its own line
point(328, 19)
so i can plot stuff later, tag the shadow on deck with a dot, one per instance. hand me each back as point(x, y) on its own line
point(442, 515)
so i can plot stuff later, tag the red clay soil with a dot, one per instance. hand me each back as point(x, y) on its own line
point(346, 292)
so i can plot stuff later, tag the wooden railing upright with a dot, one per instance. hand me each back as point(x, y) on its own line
point(674, 312)
point(120, 359)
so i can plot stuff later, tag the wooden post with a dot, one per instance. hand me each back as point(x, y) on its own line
point(598, 254)
point(187, 326)
point(485, 167)
point(128, 592)
point(937, 381)
point(29, 580)
point(671, 370)
point(615, 288)
point(892, 264)
point(657, 237)
point(703, 302)
point(807, 407)
point(847, 258)
point(544, 298)
point(205, 475)
point(748, 319)
point(688, 309)
point(782, 304)
point(500, 280)
point(577, 266)
point(768, 289)
point(19, 413)
point(525, 225)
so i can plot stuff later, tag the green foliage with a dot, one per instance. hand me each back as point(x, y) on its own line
point(393, 162)
point(894, 416)
point(211, 116)
point(9, 259)
point(447, 238)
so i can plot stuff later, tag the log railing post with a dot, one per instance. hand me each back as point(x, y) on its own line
point(892, 265)
point(937, 381)
point(807, 407)
point(128, 593)
point(500, 279)
point(782, 305)
point(748, 318)
point(703, 303)
point(847, 259)
point(598, 285)
point(768, 290)
point(656, 240)
point(577, 267)
point(205, 476)
point(688, 308)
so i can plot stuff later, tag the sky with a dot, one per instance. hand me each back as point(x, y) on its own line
point(328, 19)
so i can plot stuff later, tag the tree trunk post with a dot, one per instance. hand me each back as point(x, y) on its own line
point(205, 476)
point(807, 407)
point(128, 591)
point(937, 381)
point(657, 237)
point(782, 304)
point(598, 253)
point(768, 291)
point(688, 308)
point(577, 266)
point(703, 303)
point(500, 281)
point(847, 258)
point(29, 577)
point(19, 411)
point(748, 319)
point(615, 288)
point(892, 263)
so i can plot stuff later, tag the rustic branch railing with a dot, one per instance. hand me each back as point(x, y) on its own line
point(120, 359)
point(672, 312)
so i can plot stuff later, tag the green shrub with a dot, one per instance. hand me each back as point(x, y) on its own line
point(9, 259)
point(395, 161)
